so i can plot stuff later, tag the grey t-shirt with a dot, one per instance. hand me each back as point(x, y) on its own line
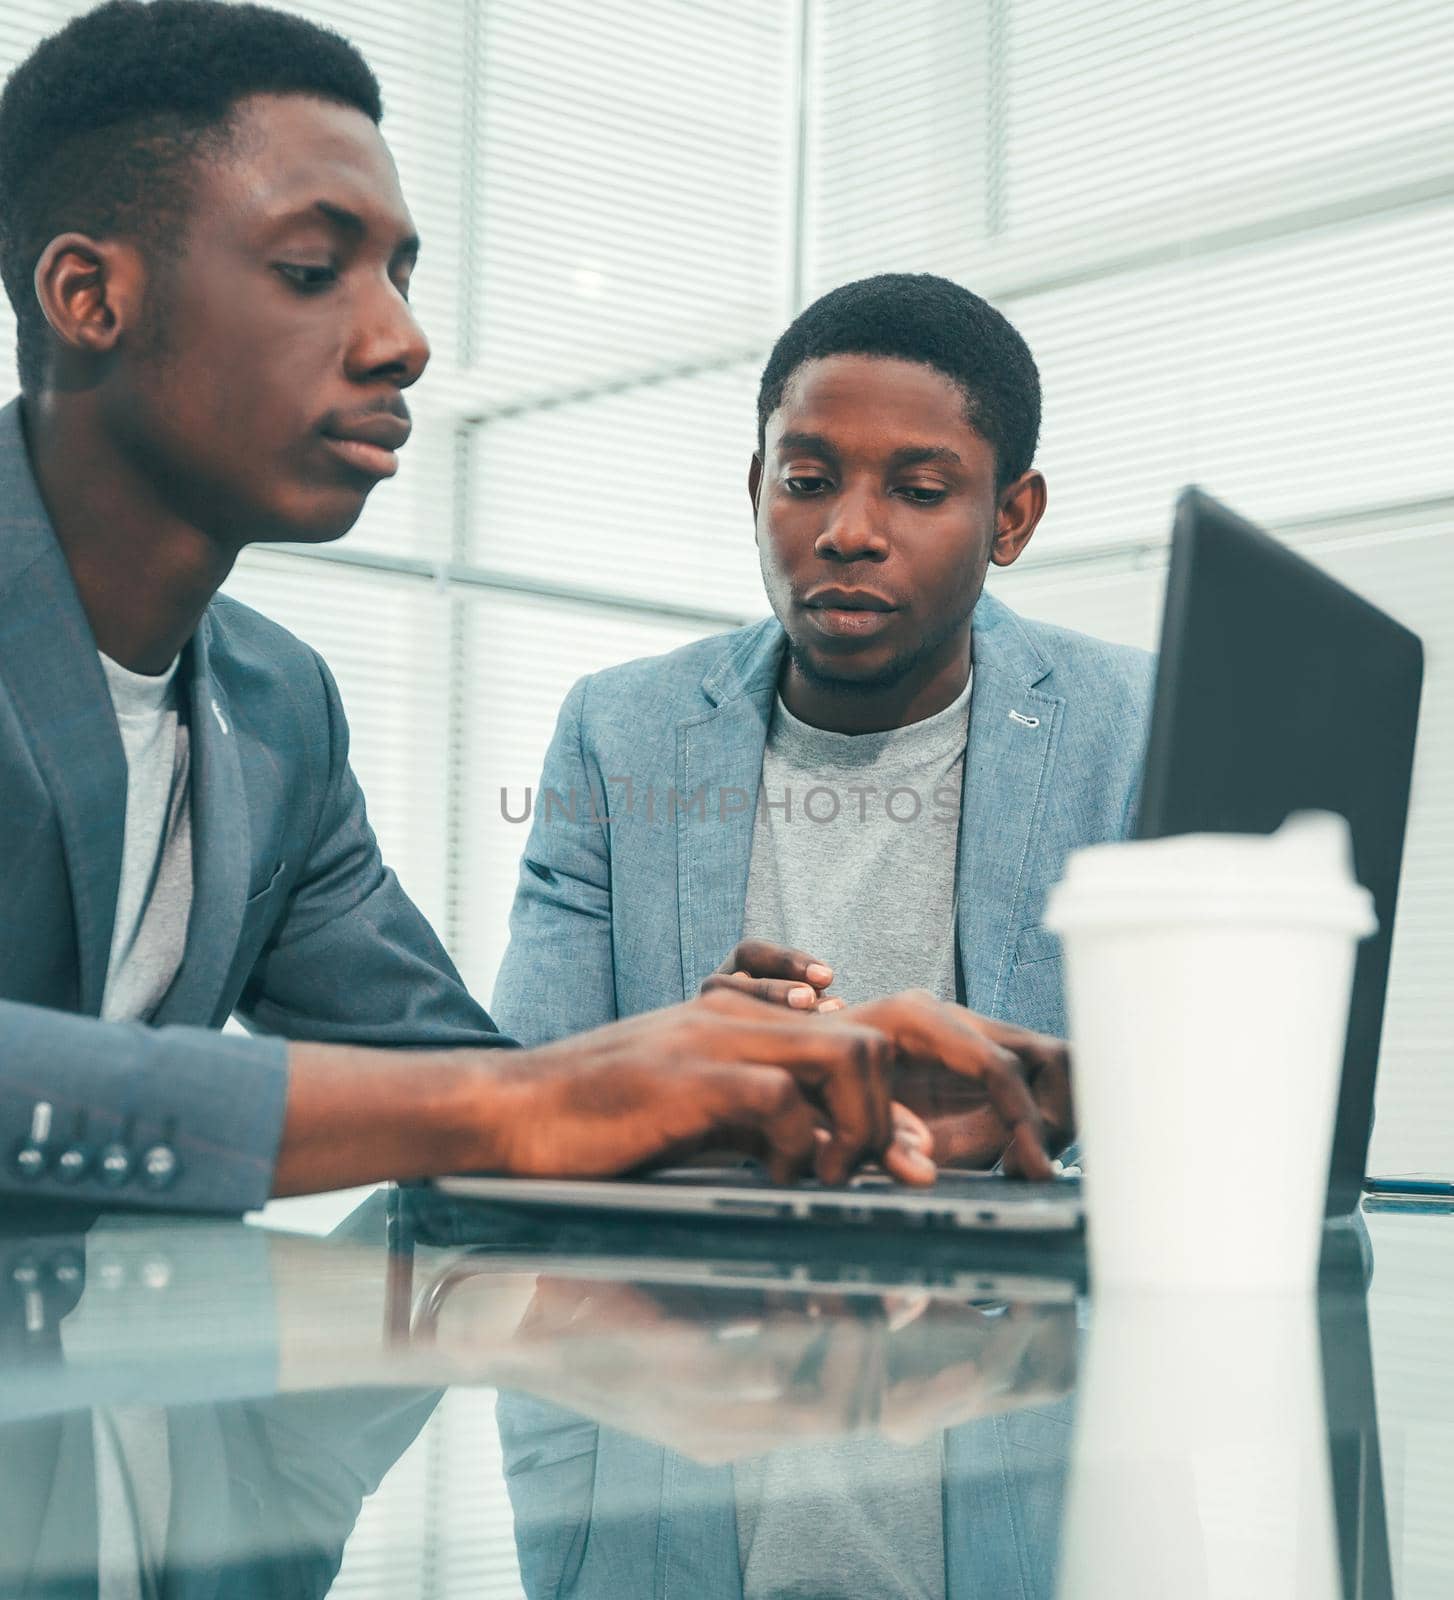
point(854, 849)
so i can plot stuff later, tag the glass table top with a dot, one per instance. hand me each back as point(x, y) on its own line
point(440, 1399)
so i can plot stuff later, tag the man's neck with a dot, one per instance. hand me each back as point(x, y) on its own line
point(144, 575)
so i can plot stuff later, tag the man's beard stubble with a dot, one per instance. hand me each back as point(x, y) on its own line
point(889, 676)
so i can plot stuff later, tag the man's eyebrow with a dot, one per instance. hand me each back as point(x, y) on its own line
point(351, 223)
point(922, 454)
point(808, 444)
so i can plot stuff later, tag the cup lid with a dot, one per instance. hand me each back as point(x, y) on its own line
point(1300, 873)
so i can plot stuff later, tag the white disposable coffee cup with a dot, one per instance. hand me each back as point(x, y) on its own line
point(1208, 979)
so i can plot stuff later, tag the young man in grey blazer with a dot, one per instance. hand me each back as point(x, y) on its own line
point(872, 790)
point(204, 239)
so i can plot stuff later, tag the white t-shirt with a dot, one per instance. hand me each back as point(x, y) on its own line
point(149, 936)
point(154, 899)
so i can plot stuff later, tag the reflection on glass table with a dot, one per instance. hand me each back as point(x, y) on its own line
point(202, 1408)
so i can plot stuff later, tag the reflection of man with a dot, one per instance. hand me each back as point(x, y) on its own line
point(922, 759)
point(216, 1485)
point(203, 236)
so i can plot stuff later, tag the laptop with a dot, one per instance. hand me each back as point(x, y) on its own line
point(1277, 690)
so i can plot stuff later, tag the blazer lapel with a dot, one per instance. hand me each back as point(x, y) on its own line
point(1013, 729)
point(50, 668)
point(719, 770)
point(221, 845)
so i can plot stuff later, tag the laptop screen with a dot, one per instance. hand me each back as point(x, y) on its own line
point(1280, 690)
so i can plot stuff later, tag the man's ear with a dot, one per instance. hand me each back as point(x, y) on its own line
point(1022, 504)
point(90, 291)
point(754, 482)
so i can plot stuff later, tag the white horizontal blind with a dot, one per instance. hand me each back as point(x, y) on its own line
point(439, 1526)
point(630, 191)
point(1114, 105)
point(641, 494)
point(1306, 375)
point(903, 100)
point(629, 268)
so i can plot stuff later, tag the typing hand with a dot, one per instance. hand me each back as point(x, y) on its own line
point(723, 1070)
point(777, 974)
point(985, 1089)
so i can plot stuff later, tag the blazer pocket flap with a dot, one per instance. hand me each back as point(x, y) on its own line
point(1036, 944)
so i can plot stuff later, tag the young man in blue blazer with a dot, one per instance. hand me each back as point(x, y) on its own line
point(875, 788)
point(872, 790)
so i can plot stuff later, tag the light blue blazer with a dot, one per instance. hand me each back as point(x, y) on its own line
point(629, 906)
point(624, 909)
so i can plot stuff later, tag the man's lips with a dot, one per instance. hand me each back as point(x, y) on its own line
point(848, 613)
point(368, 443)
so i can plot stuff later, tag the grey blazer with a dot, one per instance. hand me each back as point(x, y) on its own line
point(297, 926)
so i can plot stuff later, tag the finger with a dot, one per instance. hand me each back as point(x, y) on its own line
point(924, 1028)
point(845, 1067)
point(776, 991)
point(1048, 1061)
point(909, 1162)
point(911, 1127)
point(763, 959)
point(764, 1111)
point(852, 1082)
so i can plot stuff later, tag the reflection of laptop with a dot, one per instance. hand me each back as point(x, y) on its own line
point(1278, 690)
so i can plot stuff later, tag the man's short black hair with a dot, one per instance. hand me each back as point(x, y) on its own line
point(915, 316)
point(101, 126)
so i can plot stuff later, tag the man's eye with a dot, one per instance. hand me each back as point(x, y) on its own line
point(920, 495)
point(307, 277)
point(803, 484)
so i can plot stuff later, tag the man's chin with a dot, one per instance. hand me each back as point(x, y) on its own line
point(849, 671)
point(313, 524)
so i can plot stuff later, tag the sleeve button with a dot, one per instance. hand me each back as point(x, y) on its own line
point(114, 1166)
point(30, 1162)
point(159, 1167)
point(72, 1162)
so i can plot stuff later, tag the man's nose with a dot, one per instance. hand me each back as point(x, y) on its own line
point(855, 530)
point(389, 343)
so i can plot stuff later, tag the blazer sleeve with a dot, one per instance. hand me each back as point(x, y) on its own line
point(558, 976)
point(352, 959)
point(215, 1100)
